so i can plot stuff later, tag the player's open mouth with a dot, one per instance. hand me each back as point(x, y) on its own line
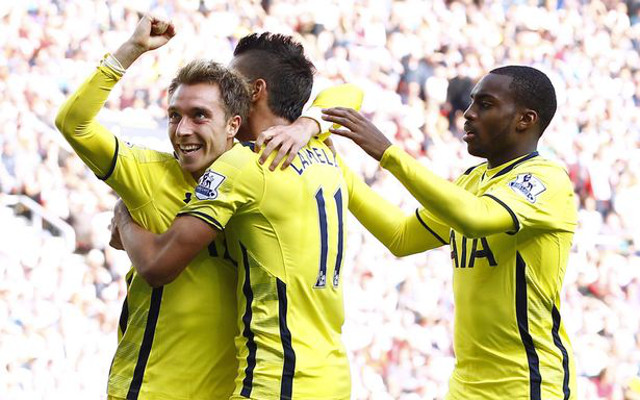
point(189, 148)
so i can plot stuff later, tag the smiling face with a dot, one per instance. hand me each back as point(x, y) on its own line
point(491, 120)
point(198, 127)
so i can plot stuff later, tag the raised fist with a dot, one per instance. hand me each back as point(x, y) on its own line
point(152, 32)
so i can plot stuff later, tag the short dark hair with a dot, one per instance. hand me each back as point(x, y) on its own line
point(532, 89)
point(233, 87)
point(281, 62)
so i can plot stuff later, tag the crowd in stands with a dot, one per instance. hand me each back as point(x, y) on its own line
point(417, 62)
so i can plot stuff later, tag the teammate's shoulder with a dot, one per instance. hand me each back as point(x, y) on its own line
point(239, 155)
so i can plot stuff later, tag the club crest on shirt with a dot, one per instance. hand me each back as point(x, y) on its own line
point(208, 185)
point(528, 186)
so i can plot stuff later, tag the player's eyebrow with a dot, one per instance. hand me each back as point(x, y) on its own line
point(202, 110)
point(482, 95)
point(485, 96)
point(191, 110)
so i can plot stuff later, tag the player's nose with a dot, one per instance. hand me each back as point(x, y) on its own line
point(469, 113)
point(184, 128)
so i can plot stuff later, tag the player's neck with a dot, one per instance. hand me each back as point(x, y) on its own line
point(260, 122)
point(502, 159)
point(526, 145)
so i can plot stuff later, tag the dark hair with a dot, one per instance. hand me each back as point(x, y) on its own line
point(532, 89)
point(233, 88)
point(281, 62)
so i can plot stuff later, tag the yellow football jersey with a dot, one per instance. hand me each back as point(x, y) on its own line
point(176, 341)
point(509, 338)
point(285, 230)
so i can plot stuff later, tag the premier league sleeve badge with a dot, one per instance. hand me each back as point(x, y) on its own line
point(208, 185)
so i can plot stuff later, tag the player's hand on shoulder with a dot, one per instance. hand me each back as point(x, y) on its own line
point(152, 32)
point(287, 140)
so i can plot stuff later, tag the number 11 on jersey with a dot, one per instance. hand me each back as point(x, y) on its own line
point(321, 281)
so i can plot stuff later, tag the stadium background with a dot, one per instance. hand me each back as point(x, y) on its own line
point(61, 287)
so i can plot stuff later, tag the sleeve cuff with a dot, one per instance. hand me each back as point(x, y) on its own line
point(112, 67)
point(389, 155)
point(315, 114)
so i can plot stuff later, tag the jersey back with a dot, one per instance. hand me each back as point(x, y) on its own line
point(286, 232)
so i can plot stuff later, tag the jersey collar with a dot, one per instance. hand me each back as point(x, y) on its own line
point(502, 169)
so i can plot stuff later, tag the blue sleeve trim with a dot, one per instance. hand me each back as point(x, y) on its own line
point(206, 218)
point(113, 162)
point(513, 215)
point(429, 229)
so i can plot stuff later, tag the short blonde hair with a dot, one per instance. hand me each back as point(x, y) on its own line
point(233, 87)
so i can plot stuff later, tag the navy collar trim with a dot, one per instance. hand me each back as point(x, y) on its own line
point(512, 166)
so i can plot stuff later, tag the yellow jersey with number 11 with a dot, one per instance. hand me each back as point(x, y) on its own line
point(285, 229)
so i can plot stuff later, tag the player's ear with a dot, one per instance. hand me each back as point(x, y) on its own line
point(527, 119)
point(233, 125)
point(258, 89)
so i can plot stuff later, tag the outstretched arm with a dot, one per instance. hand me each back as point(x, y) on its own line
point(402, 234)
point(289, 139)
point(466, 213)
point(76, 119)
point(159, 259)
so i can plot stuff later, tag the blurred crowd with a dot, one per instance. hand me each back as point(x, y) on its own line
point(417, 61)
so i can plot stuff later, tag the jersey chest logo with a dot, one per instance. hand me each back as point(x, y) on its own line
point(527, 186)
point(463, 257)
point(208, 185)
